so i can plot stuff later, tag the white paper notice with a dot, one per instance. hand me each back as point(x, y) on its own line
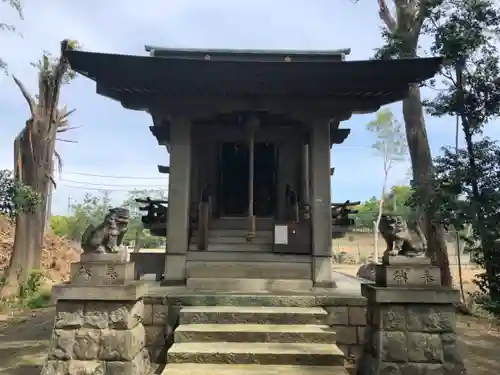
point(281, 234)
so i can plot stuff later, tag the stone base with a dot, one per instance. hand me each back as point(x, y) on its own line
point(378, 294)
point(138, 366)
point(410, 331)
point(99, 330)
point(127, 292)
point(102, 271)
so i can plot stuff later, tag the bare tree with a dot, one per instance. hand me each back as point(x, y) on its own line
point(391, 146)
point(34, 158)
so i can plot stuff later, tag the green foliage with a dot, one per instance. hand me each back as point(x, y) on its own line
point(60, 225)
point(94, 208)
point(32, 285)
point(91, 210)
point(467, 32)
point(14, 196)
point(396, 203)
point(391, 138)
point(452, 202)
point(39, 300)
point(48, 64)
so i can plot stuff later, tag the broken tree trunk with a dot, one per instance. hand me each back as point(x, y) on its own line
point(35, 147)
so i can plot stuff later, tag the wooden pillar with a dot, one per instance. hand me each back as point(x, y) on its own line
point(306, 194)
point(252, 126)
point(179, 202)
point(321, 204)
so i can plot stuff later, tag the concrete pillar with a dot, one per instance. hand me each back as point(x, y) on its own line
point(178, 202)
point(321, 205)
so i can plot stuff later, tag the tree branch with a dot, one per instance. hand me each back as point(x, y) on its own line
point(27, 96)
point(421, 16)
point(386, 16)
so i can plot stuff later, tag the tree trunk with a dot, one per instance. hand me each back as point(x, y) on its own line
point(423, 176)
point(35, 148)
point(28, 241)
point(377, 223)
point(137, 242)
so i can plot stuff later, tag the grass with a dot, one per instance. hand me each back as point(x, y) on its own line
point(32, 295)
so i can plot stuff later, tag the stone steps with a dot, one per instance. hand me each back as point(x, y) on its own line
point(270, 333)
point(247, 284)
point(256, 353)
point(241, 223)
point(243, 247)
point(269, 270)
point(238, 233)
point(221, 256)
point(252, 315)
point(211, 369)
point(251, 340)
point(232, 238)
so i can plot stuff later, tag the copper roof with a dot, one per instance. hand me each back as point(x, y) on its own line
point(309, 80)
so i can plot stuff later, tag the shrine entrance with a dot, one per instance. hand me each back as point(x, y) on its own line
point(234, 177)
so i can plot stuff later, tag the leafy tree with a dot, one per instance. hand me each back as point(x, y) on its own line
point(391, 146)
point(367, 214)
point(401, 32)
point(91, 210)
point(60, 225)
point(15, 197)
point(396, 203)
point(467, 35)
point(457, 29)
point(452, 201)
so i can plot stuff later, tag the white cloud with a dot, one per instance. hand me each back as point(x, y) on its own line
point(115, 141)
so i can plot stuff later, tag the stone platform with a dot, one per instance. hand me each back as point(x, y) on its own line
point(410, 321)
point(98, 329)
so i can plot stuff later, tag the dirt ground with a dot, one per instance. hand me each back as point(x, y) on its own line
point(24, 340)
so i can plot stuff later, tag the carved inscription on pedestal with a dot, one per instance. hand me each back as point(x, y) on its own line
point(401, 276)
point(83, 273)
point(428, 277)
point(111, 274)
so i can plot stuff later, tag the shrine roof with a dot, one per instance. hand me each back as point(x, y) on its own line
point(284, 75)
point(248, 54)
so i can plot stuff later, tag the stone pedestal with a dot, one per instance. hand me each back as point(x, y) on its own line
point(98, 327)
point(410, 322)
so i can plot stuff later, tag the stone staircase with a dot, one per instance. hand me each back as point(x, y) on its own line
point(253, 340)
point(232, 264)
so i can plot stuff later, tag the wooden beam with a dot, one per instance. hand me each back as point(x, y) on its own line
point(164, 169)
point(338, 136)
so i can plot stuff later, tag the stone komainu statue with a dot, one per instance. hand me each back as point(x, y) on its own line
point(107, 236)
point(395, 231)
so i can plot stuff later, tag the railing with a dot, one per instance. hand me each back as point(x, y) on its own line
point(204, 215)
point(156, 215)
point(340, 217)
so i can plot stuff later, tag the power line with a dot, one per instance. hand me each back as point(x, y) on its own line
point(108, 176)
point(103, 184)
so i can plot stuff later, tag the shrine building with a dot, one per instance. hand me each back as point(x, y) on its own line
point(249, 135)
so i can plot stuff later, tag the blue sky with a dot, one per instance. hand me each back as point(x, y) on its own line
point(113, 141)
